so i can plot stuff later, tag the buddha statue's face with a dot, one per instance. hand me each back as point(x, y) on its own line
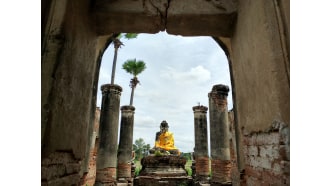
point(163, 129)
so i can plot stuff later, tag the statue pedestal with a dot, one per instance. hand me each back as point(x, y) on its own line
point(163, 170)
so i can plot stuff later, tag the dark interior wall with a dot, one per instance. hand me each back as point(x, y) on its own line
point(284, 11)
point(69, 80)
point(258, 67)
point(45, 5)
point(53, 13)
point(71, 53)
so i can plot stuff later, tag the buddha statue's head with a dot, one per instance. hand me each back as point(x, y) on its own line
point(164, 126)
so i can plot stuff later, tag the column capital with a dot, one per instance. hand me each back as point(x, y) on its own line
point(221, 89)
point(111, 87)
point(127, 108)
point(200, 108)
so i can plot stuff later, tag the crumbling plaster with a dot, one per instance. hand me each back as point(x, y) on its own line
point(176, 16)
point(259, 69)
point(71, 57)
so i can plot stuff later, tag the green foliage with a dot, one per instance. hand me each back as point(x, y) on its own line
point(131, 35)
point(189, 171)
point(188, 167)
point(140, 148)
point(137, 171)
point(158, 153)
point(138, 164)
point(134, 67)
point(186, 155)
point(127, 36)
point(138, 167)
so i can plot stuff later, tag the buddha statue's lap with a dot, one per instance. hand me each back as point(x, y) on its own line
point(164, 142)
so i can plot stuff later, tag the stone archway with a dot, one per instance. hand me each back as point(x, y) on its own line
point(76, 33)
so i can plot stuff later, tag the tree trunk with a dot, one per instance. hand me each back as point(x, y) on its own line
point(132, 94)
point(114, 66)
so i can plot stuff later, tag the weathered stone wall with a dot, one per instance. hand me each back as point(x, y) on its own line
point(258, 67)
point(72, 81)
point(260, 71)
point(283, 8)
point(70, 65)
point(189, 18)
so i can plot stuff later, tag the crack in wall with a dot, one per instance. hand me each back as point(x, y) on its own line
point(161, 11)
point(168, 6)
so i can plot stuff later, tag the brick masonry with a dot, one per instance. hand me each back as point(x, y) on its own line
point(89, 178)
point(221, 171)
point(124, 170)
point(60, 168)
point(267, 157)
point(202, 166)
point(106, 176)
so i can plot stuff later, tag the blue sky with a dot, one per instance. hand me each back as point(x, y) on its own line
point(180, 73)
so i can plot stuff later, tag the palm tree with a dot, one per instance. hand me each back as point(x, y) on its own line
point(134, 67)
point(117, 44)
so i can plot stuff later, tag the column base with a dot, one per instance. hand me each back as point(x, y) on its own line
point(124, 171)
point(202, 169)
point(221, 172)
point(106, 177)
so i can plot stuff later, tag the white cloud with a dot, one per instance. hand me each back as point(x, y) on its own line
point(195, 75)
point(144, 121)
point(104, 76)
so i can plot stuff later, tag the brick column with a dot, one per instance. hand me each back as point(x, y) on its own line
point(201, 145)
point(125, 143)
point(219, 134)
point(106, 160)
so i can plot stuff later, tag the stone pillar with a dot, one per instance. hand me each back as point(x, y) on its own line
point(219, 135)
point(125, 144)
point(106, 160)
point(201, 145)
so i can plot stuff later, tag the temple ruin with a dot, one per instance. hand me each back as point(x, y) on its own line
point(255, 35)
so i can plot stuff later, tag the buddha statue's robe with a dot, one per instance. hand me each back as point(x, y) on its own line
point(165, 141)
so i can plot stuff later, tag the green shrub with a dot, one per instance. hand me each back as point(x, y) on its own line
point(138, 168)
point(137, 171)
point(189, 171)
point(158, 153)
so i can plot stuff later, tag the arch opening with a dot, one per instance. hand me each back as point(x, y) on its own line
point(180, 73)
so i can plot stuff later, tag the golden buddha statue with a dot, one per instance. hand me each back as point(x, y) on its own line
point(164, 141)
